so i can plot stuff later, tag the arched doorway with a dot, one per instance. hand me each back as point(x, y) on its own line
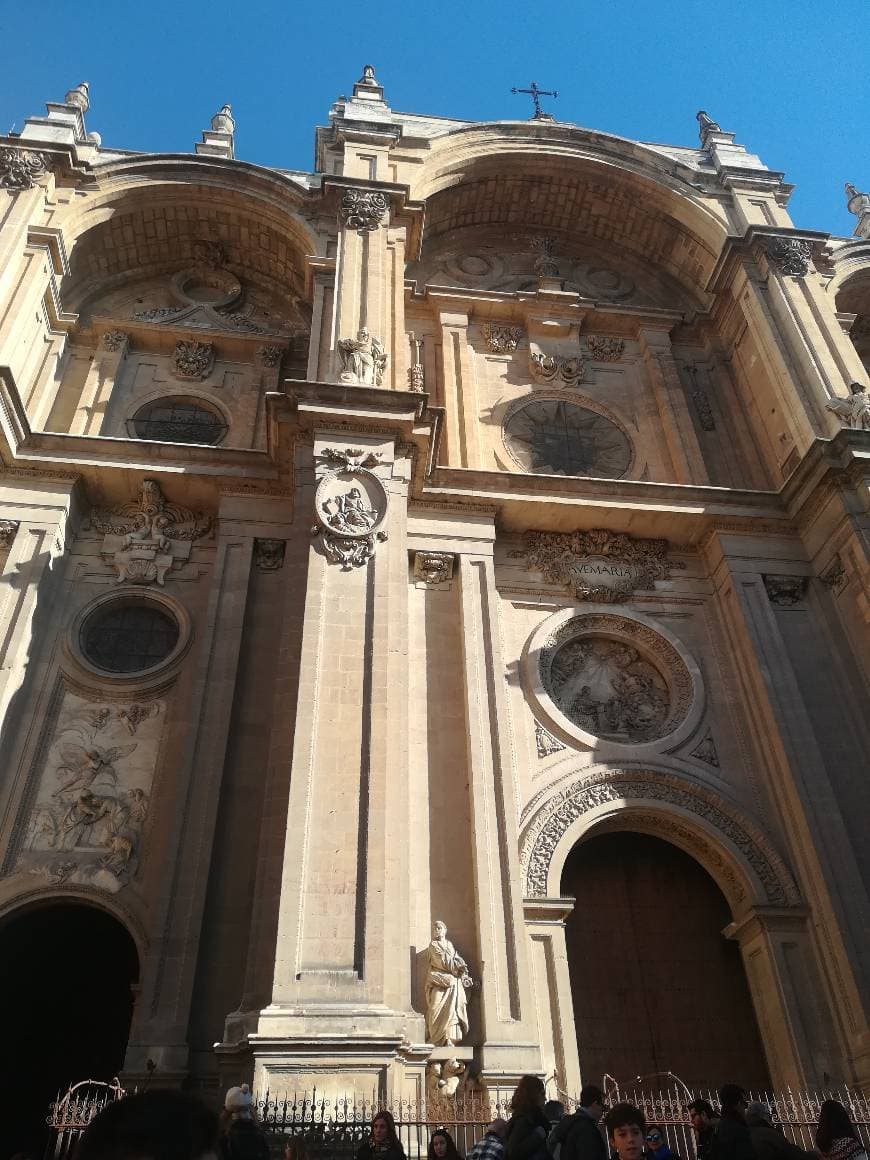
point(655, 985)
point(66, 972)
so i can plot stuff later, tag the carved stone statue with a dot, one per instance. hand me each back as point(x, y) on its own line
point(447, 979)
point(363, 359)
point(855, 410)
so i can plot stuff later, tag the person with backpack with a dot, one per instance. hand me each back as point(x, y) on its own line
point(578, 1137)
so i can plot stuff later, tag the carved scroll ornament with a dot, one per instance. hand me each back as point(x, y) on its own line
point(363, 209)
point(790, 255)
point(19, 168)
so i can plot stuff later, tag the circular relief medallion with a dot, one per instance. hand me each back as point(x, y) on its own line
point(351, 502)
point(558, 437)
point(601, 677)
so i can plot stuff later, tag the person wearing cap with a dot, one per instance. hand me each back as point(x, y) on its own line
point(578, 1137)
point(657, 1147)
point(768, 1142)
point(732, 1140)
point(241, 1138)
point(704, 1122)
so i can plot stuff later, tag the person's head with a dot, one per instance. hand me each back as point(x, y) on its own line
point(758, 1115)
point(701, 1114)
point(439, 928)
point(441, 1146)
point(530, 1093)
point(498, 1127)
point(384, 1129)
point(554, 1110)
point(592, 1099)
point(294, 1148)
point(158, 1125)
point(626, 1127)
point(857, 388)
point(834, 1124)
point(732, 1100)
point(655, 1140)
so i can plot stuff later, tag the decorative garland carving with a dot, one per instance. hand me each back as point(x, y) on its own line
point(545, 742)
point(270, 356)
point(501, 338)
point(193, 360)
point(19, 168)
point(598, 565)
point(705, 750)
point(547, 368)
point(269, 554)
point(115, 340)
point(785, 591)
point(434, 567)
point(363, 209)
point(557, 813)
point(790, 255)
point(604, 348)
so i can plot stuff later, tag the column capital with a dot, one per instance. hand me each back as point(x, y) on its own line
point(760, 920)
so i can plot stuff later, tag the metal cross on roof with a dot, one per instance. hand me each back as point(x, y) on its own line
point(535, 93)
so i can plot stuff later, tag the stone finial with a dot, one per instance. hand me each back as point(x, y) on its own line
point(367, 87)
point(856, 202)
point(222, 121)
point(79, 97)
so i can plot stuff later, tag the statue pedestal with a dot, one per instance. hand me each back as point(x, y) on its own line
point(460, 1051)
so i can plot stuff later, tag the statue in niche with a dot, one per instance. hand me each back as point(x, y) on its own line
point(363, 359)
point(607, 689)
point(447, 980)
point(855, 410)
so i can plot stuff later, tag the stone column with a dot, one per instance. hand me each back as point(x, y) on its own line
point(679, 431)
point(160, 1028)
point(510, 1045)
point(551, 981)
point(340, 1010)
point(818, 840)
point(797, 1033)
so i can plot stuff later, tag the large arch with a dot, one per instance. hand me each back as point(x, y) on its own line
point(72, 967)
point(659, 800)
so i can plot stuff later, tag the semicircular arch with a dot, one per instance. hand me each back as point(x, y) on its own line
point(657, 800)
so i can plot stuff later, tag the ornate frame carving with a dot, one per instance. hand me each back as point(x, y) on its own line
point(739, 857)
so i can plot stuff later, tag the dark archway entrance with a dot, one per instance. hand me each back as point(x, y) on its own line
point(656, 986)
point(65, 976)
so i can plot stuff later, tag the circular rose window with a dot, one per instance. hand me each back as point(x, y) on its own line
point(128, 636)
point(598, 676)
point(558, 437)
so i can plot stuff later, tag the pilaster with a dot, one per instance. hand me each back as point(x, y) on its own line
point(460, 392)
point(510, 1045)
point(545, 925)
point(679, 431)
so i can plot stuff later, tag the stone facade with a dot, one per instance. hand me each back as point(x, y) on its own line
point(372, 536)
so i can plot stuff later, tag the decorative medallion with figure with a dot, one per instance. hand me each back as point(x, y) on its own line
point(350, 506)
point(600, 677)
point(558, 437)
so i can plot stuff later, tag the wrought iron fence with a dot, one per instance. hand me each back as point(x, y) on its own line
point(71, 1113)
point(333, 1127)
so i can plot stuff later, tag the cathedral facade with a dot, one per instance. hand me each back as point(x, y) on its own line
point(474, 530)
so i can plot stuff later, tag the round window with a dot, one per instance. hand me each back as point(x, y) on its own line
point(128, 636)
point(557, 437)
point(179, 421)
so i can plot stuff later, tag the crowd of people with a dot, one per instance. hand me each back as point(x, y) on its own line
point(169, 1125)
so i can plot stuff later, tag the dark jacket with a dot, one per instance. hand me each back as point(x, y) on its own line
point(366, 1151)
point(705, 1145)
point(732, 1140)
point(244, 1141)
point(768, 1143)
point(577, 1137)
point(527, 1136)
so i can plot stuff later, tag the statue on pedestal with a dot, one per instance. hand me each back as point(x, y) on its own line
point(447, 980)
point(855, 410)
point(363, 359)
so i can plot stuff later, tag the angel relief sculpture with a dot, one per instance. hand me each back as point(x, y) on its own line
point(91, 804)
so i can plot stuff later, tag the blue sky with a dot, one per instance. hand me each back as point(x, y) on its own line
point(790, 79)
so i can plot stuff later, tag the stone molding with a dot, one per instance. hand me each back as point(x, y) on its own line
point(363, 209)
point(20, 168)
point(648, 797)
